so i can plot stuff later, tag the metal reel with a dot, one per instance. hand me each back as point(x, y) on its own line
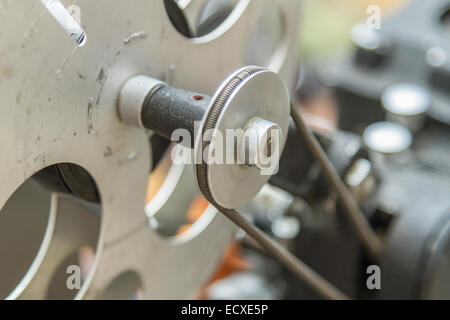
point(58, 106)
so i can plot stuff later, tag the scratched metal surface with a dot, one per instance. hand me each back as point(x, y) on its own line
point(58, 104)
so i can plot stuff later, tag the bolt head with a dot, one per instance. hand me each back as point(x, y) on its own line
point(259, 145)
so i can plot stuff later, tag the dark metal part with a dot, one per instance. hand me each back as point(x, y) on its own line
point(69, 178)
point(297, 173)
point(168, 109)
point(416, 264)
point(295, 163)
point(177, 18)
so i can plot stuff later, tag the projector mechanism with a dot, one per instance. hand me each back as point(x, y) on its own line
point(88, 109)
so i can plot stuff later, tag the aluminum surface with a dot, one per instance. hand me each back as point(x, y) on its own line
point(59, 105)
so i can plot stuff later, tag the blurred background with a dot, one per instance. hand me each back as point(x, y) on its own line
point(378, 102)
